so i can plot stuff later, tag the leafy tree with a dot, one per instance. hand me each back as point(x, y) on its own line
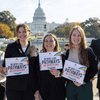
point(87, 33)
point(76, 23)
point(91, 26)
point(7, 18)
point(58, 31)
point(5, 31)
point(67, 29)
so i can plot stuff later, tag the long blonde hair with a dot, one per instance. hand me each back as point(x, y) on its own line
point(82, 46)
point(57, 48)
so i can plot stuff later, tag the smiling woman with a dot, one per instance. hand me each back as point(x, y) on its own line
point(76, 37)
point(81, 54)
point(21, 86)
point(49, 87)
point(23, 33)
point(50, 43)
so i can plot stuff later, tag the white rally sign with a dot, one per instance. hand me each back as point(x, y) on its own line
point(50, 60)
point(73, 71)
point(17, 66)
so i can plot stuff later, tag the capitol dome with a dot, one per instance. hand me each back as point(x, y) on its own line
point(39, 15)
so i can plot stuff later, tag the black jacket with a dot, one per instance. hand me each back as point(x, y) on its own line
point(51, 88)
point(92, 70)
point(95, 45)
point(23, 82)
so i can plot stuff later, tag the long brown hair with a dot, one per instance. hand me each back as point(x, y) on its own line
point(57, 48)
point(82, 46)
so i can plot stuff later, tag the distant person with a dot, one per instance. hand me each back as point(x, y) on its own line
point(66, 47)
point(37, 51)
point(22, 87)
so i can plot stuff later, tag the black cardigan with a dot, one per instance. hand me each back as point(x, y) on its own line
point(92, 70)
point(52, 88)
point(23, 82)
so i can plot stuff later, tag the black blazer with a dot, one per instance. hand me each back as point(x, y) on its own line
point(95, 45)
point(52, 88)
point(92, 70)
point(23, 82)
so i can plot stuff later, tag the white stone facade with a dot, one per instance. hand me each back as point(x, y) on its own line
point(39, 20)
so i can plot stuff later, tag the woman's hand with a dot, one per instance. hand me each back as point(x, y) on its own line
point(5, 70)
point(1, 69)
point(77, 84)
point(54, 72)
point(37, 95)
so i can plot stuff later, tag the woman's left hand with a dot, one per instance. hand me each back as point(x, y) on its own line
point(54, 72)
point(77, 84)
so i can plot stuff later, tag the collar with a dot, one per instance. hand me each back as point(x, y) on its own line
point(28, 49)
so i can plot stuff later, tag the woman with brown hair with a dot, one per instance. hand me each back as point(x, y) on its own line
point(51, 87)
point(22, 87)
point(80, 53)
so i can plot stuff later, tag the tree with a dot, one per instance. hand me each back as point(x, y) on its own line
point(5, 31)
point(77, 23)
point(87, 33)
point(58, 31)
point(91, 26)
point(67, 29)
point(7, 18)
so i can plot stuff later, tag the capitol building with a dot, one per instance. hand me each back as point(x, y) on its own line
point(39, 26)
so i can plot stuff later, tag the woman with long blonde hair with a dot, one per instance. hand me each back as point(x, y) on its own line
point(80, 53)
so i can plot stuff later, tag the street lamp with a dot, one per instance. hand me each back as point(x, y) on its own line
point(45, 33)
point(45, 27)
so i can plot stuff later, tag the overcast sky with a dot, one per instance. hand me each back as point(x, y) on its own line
point(55, 10)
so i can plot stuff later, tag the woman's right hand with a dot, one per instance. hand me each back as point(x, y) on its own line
point(5, 70)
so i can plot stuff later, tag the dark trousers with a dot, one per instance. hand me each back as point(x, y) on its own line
point(83, 92)
point(20, 95)
point(2, 93)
